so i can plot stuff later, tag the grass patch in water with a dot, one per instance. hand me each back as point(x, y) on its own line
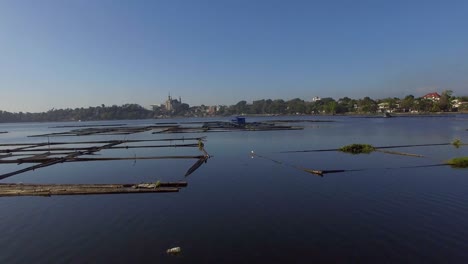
point(461, 162)
point(357, 148)
point(457, 143)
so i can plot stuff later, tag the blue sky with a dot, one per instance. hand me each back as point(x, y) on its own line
point(70, 53)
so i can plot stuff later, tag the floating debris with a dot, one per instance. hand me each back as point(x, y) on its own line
point(3, 132)
point(317, 172)
point(461, 162)
point(174, 251)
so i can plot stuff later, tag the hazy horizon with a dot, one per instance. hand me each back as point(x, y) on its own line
point(68, 54)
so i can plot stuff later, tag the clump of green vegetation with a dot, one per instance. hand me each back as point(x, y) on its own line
point(357, 148)
point(461, 162)
point(457, 143)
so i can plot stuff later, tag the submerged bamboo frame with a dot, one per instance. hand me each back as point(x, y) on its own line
point(42, 156)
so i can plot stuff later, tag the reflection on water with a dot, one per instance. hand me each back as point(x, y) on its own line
point(242, 210)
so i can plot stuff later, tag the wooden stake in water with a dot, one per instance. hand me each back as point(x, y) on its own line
point(316, 172)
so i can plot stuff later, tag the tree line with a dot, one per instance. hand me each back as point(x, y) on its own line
point(127, 111)
point(345, 105)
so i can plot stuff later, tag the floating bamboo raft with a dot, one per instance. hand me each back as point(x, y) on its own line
point(300, 121)
point(11, 189)
point(217, 126)
point(171, 127)
point(268, 121)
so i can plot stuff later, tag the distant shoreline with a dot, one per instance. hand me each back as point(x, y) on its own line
point(356, 115)
point(425, 114)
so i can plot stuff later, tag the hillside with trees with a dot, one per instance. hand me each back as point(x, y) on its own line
point(127, 111)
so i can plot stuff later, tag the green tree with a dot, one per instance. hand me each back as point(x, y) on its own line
point(330, 107)
point(278, 106)
point(241, 107)
point(367, 105)
point(445, 100)
point(407, 103)
point(258, 107)
point(423, 105)
point(296, 106)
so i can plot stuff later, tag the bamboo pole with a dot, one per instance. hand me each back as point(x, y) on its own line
point(400, 153)
point(25, 147)
point(179, 184)
point(107, 125)
point(84, 148)
point(77, 159)
point(120, 130)
point(381, 147)
point(102, 141)
point(37, 156)
point(197, 165)
point(6, 156)
point(45, 164)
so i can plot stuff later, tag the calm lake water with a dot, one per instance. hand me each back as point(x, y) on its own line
point(239, 209)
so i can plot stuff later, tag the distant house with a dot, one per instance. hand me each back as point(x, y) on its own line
point(387, 107)
point(212, 110)
point(456, 103)
point(316, 98)
point(432, 96)
point(383, 107)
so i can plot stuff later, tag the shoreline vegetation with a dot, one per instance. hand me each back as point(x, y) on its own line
point(365, 107)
